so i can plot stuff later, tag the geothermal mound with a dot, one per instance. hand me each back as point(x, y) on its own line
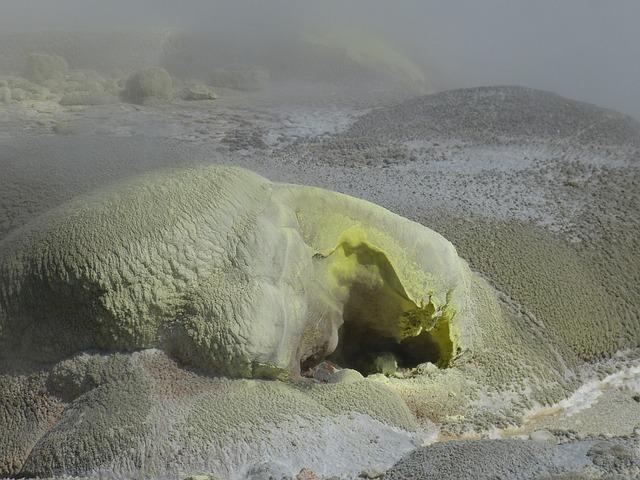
point(232, 274)
point(491, 115)
point(120, 309)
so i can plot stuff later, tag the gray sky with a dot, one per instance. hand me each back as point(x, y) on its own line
point(584, 49)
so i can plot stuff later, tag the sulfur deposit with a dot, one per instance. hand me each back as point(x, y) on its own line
point(230, 273)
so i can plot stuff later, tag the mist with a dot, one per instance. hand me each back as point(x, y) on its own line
point(583, 49)
point(296, 239)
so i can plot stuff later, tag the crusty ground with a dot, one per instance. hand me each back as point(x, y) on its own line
point(538, 193)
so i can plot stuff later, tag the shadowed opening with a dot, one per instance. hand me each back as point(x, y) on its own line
point(382, 329)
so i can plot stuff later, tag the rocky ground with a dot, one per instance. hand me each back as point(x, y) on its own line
point(539, 193)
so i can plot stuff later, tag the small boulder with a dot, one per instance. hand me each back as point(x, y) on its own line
point(387, 364)
point(266, 470)
point(371, 473)
point(323, 371)
point(149, 85)
point(426, 368)
point(198, 93)
point(306, 474)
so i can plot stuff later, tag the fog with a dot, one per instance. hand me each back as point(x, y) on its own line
point(583, 49)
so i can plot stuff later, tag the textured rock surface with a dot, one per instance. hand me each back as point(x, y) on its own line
point(161, 261)
point(27, 411)
point(494, 115)
point(545, 209)
point(140, 413)
point(518, 459)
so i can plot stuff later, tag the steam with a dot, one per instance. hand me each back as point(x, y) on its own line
point(584, 49)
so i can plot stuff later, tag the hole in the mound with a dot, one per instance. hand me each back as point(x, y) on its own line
point(369, 352)
point(382, 329)
point(364, 348)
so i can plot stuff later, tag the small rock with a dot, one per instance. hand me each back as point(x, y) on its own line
point(151, 84)
point(201, 477)
point(269, 470)
point(371, 473)
point(386, 364)
point(324, 371)
point(198, 93)
point(425, 368)
point(306, 474)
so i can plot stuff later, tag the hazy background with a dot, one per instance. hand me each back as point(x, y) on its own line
point(584, 49)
